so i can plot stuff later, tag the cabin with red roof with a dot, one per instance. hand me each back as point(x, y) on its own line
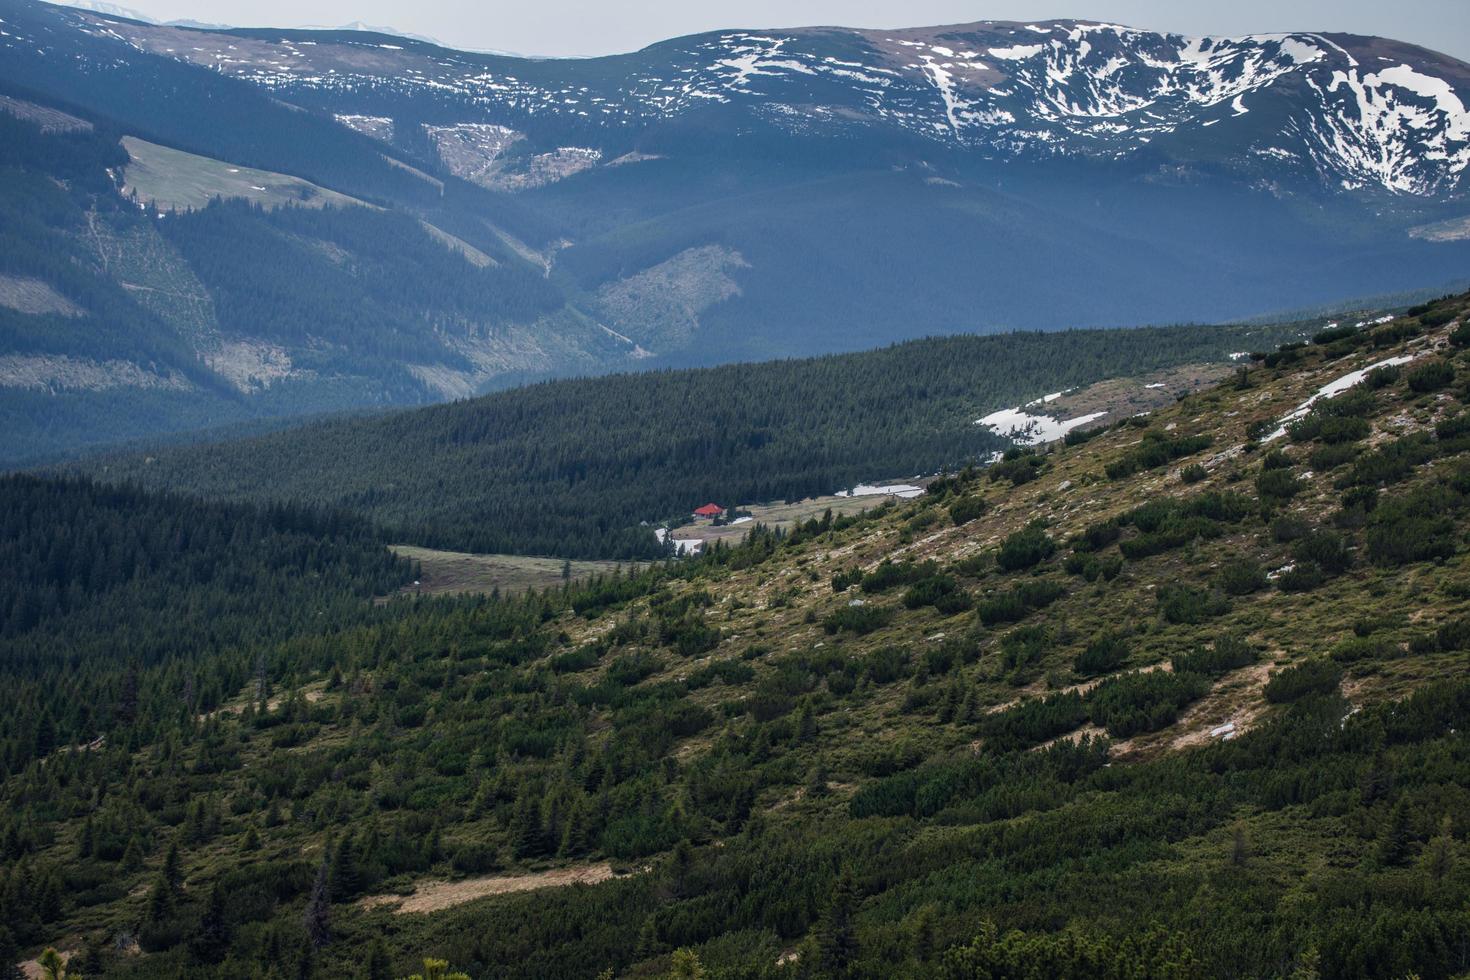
point(709, 510)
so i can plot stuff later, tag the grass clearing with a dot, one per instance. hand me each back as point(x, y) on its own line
point(455, 572)
point(171, 179)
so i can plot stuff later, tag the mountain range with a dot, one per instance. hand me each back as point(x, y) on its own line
point(424, 223)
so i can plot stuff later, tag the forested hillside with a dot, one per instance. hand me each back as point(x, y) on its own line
point(122, 318)
point(572, 468)
point(1184, 697)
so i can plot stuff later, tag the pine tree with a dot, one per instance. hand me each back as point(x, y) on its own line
point(1393, 846)
point(318, 918)
point(9, 956)
point(213, 938)
point(836, 942)
point(346, 877)
point(379, 966)
point(685, 965)
point(1439, 855)
point(173, 870)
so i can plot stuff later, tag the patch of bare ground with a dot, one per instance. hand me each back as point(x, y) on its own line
point(433, 896)
point(1038, 690)
point(1236, 700)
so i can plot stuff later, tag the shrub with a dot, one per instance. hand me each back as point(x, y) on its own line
point(940, 591)
point(1326, 549)
point(1301, 577)
point(1033, 721)
point(1287, 528)
point(1330, 457)
point(1414, 528)
point(1021, 648)
point(630, 668)
point(861, 620)
point(1193, 473)
point(890, 574)
point(1229, 653)
point(1359, 648)
point(1105, 654)
point(886, 665)
point(846, 579)
point(1026, 548)
point(1143, 702)
point(1182, 605)
point(1278, 484)
point(1096, 536)
point(967, 509)
point(1431, 376)
point(1156, 449)
point(1276, 459)
point(1332, 334)
point(1241, 577)
point(1316, 676)
point(1382, 377)
point(1022, 467)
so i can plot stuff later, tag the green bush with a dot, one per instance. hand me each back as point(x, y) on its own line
point(1143, 702)
point(1325, 549)
point(967, 509)
point(1026, 548)
point(1331, 456)
point(1316, 676)
point(1103, 655)
point(1193, 473)
point(1228, 653)
point(1355, 649)
point(1156, 449)
point(1278, 484)
point(1182, 605)
point(940, 591)
point(891, 574)
point(1303, 576)
point(1431, 376)
point(1383, 377)
point(1021, 648)
point(1241, 577)
point(861, 620)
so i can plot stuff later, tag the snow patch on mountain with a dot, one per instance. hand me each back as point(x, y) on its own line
point(1056, 88)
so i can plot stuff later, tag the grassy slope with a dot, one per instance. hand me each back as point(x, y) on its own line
point(1148, 840)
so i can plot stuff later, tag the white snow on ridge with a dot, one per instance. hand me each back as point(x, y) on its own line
point(1081, 89)
point(903, 490)
point(1033, 430)
point(1017, 52)
point(1331, 390)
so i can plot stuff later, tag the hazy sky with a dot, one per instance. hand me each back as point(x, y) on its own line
point(588, 27)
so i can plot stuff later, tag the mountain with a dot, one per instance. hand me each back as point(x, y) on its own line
point(1181, 697)
point(725, 197)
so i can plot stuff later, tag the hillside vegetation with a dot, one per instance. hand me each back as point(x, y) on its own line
point(573, 468)
point(1186, 697)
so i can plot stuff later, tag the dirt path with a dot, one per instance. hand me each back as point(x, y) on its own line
point(431, 896)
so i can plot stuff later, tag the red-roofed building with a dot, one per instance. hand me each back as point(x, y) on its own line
point(709, 510)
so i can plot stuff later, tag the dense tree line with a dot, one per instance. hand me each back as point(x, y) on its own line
point(105, 582)
point(572, 468)
point(369, 282)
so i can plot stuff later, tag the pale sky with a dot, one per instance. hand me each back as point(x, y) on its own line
point(590, 27)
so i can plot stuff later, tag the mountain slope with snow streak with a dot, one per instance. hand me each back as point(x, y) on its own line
point(1351, 112)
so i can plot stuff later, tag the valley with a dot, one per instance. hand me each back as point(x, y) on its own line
point(974, 502)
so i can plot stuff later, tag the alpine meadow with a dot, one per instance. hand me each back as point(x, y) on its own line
point(984, 502)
